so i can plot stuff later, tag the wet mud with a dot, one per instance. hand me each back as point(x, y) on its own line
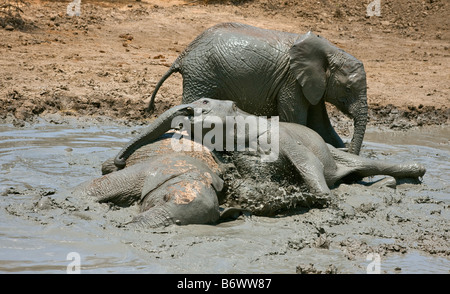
point(41, 223)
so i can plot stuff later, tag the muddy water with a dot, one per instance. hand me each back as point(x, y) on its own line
point(41, 224)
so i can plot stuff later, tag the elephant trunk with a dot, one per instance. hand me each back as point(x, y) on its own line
point(156, 129)
point(359, 112)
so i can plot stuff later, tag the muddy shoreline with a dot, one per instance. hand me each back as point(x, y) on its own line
point(388, 117)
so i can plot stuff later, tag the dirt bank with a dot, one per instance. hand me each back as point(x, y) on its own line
point(108, 60)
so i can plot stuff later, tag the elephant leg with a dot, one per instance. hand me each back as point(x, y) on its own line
point(122, 187)
point(292, 106)
point(310, 168)
point(319, 121)
point(350, 163)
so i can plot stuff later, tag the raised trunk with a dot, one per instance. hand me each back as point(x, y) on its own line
point(156, 129)
point(360, 116)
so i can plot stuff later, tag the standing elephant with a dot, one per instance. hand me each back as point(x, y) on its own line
point(273, 73)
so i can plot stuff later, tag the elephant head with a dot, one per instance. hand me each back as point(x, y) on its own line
point(213, 109)
point(179, 190)
point(325, 71)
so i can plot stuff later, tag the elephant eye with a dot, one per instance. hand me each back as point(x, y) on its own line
point(205, 101)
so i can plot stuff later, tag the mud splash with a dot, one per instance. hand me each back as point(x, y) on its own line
point(40, 224)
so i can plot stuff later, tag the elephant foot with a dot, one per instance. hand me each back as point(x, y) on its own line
point(320, 191)
point(409, 170)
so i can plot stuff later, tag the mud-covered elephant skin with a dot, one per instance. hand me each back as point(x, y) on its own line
point(170, 187)
point(270, 73)
point(319, 164)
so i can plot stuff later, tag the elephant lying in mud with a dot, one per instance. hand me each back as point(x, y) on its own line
point(271, 73)
point(184, 187)
point(319, 164)
point(170, 187)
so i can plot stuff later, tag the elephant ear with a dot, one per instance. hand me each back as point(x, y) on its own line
point(308, 63)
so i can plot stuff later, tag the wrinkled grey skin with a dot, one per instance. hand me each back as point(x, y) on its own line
point(319, 164)
point(170, 187)
point(271, 73)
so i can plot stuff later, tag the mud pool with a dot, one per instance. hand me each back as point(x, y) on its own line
point(41, 223)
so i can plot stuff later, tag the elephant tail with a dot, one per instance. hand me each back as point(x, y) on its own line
point(174, 68)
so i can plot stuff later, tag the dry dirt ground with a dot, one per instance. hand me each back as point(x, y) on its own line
point(107, 61)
